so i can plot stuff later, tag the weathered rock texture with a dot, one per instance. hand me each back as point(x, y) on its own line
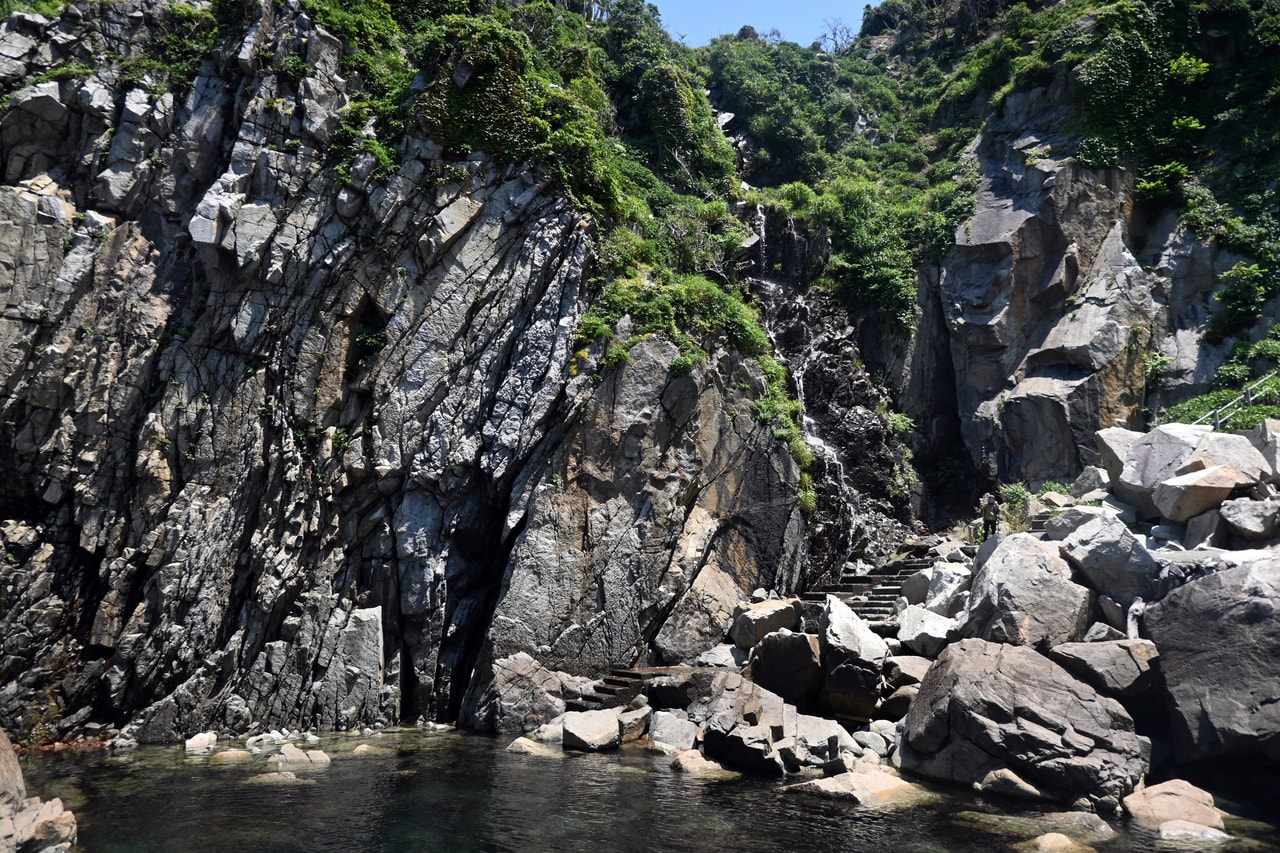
point(1034, 327)
point(1219, 642)
point(1007, 720)
point(292, 443)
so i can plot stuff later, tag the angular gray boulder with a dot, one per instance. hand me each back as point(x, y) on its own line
point(1252, 520)
point(789, 665)
point(1003, 718)
point(1266, 438)
point(1113, 560)
point(852, 659)
point(1156, 457)
point(1115, 667)
point(744, 725)
point(1219, 641)
point(1023, 594)
point(925, 632)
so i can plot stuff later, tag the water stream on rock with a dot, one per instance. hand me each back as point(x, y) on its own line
point(853, 525)
point(447, 791)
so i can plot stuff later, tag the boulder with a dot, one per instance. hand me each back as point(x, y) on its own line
point(522, 696)
point(1114, 445)
point(741, 722)
point(1219, 641)
point(201, 742)
point(671, 731)
point(822, 739)
point(925, 632)
point(916, 587)
point(1265, 437)
point(896, 704)
point(694, 763)
point(1091, 479)
point(902, 670)
point(1172, 800)
point(12, 789)
point(1252, 520)
point(1023, 594)
point(852, 656)
point(870, 787)
point(1185, 496)
point(1100, 632)
point(1052, 842)
point(633, 724)
point(752, 622)
point(1115, 563)
point(1002, 717)
point(946, 583)
point(591, 731)
point(725, 655)
point(789, 665)
point(1207, 529)
point(1156, 457)
point(1232, 451)
point(529, 746)
point(1116, 667)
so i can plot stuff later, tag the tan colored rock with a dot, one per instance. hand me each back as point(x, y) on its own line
point(525, 746)
point(753, 622)
point(1052, 842)
point(1176, 799)
point(1185, 496)
point(1186, 830)
point(231, 756)
point(369, 750)
point(869, 786)
point(694, 763)
point(279, 777)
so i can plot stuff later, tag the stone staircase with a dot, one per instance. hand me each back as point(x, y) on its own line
point(619, 687)
point(872, 595)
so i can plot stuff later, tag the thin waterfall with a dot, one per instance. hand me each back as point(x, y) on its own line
point(802, 335)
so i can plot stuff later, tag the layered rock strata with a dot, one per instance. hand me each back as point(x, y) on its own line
point(289, 442)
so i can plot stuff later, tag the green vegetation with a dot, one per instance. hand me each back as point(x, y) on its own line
point(1245, 368)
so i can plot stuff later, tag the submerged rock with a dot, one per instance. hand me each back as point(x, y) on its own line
point(870, 787)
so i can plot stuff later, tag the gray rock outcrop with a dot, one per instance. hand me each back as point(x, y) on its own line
point(1005, 719)
point(316, 445)
point(1022, 593)
point(1219, 642)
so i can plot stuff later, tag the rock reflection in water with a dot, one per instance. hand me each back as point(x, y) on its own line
point(454, 792)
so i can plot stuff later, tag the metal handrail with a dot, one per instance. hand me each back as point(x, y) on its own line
point(1246, 395)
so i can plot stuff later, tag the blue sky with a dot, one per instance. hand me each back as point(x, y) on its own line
point(800, 21)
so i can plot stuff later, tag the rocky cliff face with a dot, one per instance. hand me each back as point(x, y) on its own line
point(1056, 289)
point(285, 443)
